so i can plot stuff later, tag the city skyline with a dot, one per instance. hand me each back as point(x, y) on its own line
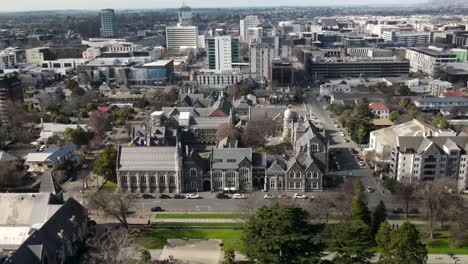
point(32, 5)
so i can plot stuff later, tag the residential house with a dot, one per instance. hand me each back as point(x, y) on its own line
point(50, 158)
point(380, 110)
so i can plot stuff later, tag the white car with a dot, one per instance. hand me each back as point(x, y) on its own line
point(299, 196)
point(342, 133)
point(325, 107)
point(369, 189)
point(238, 196)
point(268, 196)
point(336, 125)
point(313, 196)
point(192, 196)
point(361, 163)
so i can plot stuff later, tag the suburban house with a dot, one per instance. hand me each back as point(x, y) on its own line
point(50, 157)
point(380, 110)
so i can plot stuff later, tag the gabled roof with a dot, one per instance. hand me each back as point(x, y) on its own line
point(146, 159)
point(378, 106)
point(229, 158)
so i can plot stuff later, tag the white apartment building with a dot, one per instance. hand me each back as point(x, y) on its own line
point(427, 60)
point(181, 37)
point(328, 88)
point(91, 53)
point(408, 39)
point(426, 158)
point(62, 66)
point(219, 79)
point(7, 59)
point(438, 87)
point(254, 34)
point(36, 55)
point(260, 62)
point(221, 51)
point(437, 103)
point(246, 23)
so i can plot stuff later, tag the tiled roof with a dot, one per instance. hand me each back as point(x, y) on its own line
point(378, 106)
point(229, 158)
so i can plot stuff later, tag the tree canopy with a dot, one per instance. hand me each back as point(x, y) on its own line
point(359, 209)
point(353, 242)
point(280, 234)
point(105, 165)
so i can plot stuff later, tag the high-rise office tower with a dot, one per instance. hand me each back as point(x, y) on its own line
point(260, 61)
point(222, 52)
point(181, 37)
point(11, 95)
point(185, 16)
point(246, 23)
point(107, 23)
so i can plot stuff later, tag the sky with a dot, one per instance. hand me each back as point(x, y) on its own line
point(28, 5)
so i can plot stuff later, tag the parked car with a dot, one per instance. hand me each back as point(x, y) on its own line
point(268, 196)
point(342, 133)
point(192, 196)
point(346, 140)
point(226, 190)
point(72, 178)
point(283, 196)
point(369, 189)
point(413, 211)
point(336, 125)
point(164, 196)
point(362, 164)
point(238, 196)
point(300, 196)
point(330, 115)
point(156, 209)
point(222, 196)
point(84, 166)
point(398, 211)
point(325, 107)
point(178, 196)
point(147, 196)
point(357, 157)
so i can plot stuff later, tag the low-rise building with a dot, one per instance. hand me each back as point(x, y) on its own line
point(380, 110)
point(50, 158)
point(437, 103)
point(328, 88)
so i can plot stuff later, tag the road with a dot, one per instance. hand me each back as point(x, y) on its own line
point(341, 150)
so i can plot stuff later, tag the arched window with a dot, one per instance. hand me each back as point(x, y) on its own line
point(171, 180)
point(152, 179)
point(291, 175)
point(142, 179)
point(230, 178)
point(134, 179)
point(298, 175)
point(193, 172)
point(244, 171)
point(309, 175)
point(316, 175)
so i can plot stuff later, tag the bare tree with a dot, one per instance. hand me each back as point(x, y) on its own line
point(99, 122)
point(227, 130)
point(11, 174)
point(258, 132)
point(114, 246)
point(116, 204)
point(405, 193)
point(322, 207)
point(233, 91)
point(438, 199)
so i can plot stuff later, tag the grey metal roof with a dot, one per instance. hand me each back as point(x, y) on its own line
point(146, 159)
point(229, 158)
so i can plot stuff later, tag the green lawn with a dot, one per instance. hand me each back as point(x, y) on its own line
point(109, 186)
point(164, 224)
point(442, 245)
point(156, 237)
point(197, 216)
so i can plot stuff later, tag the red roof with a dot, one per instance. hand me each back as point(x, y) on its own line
point(456, 93)
point(105, 109)
point(378, 106)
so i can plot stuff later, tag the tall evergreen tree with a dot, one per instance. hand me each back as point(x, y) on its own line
point(378, 216)
point(403, 247)
point(281, 234)
point(353, 242)
point(359, 209)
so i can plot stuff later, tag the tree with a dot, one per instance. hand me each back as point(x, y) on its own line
point(405, 192)
point(116, 204)
point(62, 119)
point(352, 242)
point(440, 122)
point(90, 107)
point(362, 110)
point(11, 174)
point(404, 90)
point(359, 209)
point(227, 130)
point(233, 91)
point(105, 165)
point(83, 113)
point(54, 140)
point(121, 116)
point(99, 122)
point(401, 245)
point(113, 246)
point(257, 133)
point(378, 216)
point(78, 136)
point(404, 102)
point(229, 257)
point(439, 199)
point(280, 234)
point(393, 116)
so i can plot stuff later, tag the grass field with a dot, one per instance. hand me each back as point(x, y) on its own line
point(198, 216)
point(442, 245)
point(164, 224)
point(109, 186)
point(156, 238)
